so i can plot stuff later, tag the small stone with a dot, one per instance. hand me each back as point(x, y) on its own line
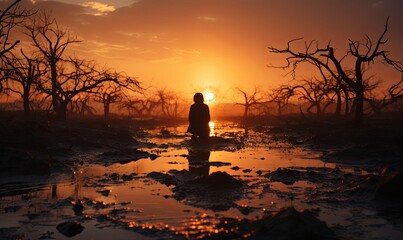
point(70, 229)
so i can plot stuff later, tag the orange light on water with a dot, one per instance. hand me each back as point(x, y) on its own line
point(212, 128)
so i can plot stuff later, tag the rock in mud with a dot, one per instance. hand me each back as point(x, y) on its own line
point(78, 208)
point(166, 179)
point(105, 192)
point(219, 164)
point(122, 156)
point(217, 191)
point(286, 176)
point(70, 229)
point(390, 187)
point(292, 224)
point(219, 180)
point(287, 224)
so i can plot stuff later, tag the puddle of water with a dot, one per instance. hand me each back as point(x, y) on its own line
point(40, 203)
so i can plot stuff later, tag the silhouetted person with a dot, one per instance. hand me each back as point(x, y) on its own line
point(199, 118)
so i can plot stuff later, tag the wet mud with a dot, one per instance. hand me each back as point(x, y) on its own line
point(132, 181)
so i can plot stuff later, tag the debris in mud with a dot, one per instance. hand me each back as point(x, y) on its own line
point(98, 204)
point(173, 163)
point(220, 180)
point(12, 209)
point(388, 193)
point(217, 191)
point(245, 209)
point(284, 175)
point(156, 232)
point(216, 143)
point(128, 177)
point(314, 175)
point(47, 235)
point(286, 224)
point(390, 186)
point(105, 192)
point(117, 211)
point(78, 208)
point(219, 164)
point(11, 233)
point(153, 156)
point(70, 229)
point(162, 178)
point(122, 156)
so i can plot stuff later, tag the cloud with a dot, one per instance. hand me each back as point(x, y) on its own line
point(377, 4)
point(103, 49)
point(97, 8)
point(207, 18)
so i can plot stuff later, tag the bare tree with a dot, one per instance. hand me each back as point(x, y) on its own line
point(10, 17)
point(67, 76)
point(51, 40)
point(313, 91)
point(23, 73)
point(249, 100)
point(108, 93)
point(280, 98)
point(393, 94)
point(168, 101)
point(363, 52)
point(76, 76)
point(81, 105)
point(134, 106)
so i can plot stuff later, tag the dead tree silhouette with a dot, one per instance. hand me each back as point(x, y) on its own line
point(364, 53)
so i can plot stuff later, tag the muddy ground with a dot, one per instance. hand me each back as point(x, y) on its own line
point(283, 179)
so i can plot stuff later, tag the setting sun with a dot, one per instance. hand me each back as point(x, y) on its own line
point(209, 96)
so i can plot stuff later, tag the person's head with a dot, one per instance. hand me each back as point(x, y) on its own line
point(198, 98)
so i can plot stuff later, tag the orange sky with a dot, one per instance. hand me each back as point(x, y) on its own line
point(189, 45)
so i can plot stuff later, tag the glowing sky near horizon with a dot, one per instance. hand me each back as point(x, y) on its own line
point(192, 45)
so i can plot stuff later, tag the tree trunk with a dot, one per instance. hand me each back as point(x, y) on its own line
point(106, 109)
point(346, 103)
point(279, 111)
point(61, 111)
point(318, 109)
point(245, 112)
point(53, 80)
point(338, 103)
point(26, 105)
point(359, 107)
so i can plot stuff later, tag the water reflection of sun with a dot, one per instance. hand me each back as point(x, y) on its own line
point(209, 96)
point(212, 129)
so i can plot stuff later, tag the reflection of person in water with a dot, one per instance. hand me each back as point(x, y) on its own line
point(199, 118)
point(198, 161)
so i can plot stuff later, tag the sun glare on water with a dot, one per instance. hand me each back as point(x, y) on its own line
point(212, 129)
point(208, 97)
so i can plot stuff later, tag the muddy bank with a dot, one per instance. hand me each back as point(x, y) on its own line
point(37, 147)
point(375, 144)
point(154, 183)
